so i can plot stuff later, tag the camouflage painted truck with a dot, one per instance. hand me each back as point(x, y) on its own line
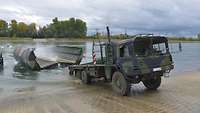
point(143, 58)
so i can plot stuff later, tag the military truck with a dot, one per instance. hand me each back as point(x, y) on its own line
point(143, 58)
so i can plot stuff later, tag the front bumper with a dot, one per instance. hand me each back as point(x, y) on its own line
point(163, 69)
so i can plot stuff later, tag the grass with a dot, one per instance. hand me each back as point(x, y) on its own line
point(174, 39)
point(15, 40)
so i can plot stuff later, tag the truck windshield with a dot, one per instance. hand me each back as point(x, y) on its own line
point(148, 47)
point(159, 48)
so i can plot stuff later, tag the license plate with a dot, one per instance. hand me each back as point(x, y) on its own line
point(157, 69)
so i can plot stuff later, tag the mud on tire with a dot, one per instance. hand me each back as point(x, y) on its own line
point(120, 85)
point(152, 83)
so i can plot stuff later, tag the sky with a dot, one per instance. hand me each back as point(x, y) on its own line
point(167, 17)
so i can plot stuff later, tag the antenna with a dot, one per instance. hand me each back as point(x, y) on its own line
point(108, 33)
point(109, 49)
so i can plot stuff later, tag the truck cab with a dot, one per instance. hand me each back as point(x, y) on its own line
point(143, 55)
point(142, 58)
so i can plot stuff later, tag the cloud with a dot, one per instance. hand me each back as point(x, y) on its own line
point(174, 17)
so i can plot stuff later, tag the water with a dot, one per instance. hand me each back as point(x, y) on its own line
point(15, 77)
point(186, 61)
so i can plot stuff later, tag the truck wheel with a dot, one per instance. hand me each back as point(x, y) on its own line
point(71, 73)
point(78, 74)
point(86, 79)
point(120, 84)
point(152, 83)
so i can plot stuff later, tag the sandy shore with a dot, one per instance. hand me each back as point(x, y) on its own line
point(177, 94)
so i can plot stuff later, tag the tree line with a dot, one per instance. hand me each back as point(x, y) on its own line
point(15, 29)
point(72, 28)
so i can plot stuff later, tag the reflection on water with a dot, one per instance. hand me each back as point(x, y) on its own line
point(23, 72)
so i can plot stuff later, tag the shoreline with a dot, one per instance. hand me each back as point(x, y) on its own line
point(18, 40)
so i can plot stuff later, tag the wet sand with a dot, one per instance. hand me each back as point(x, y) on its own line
point(177, 94)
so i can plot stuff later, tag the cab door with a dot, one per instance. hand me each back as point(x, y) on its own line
point(125, 60)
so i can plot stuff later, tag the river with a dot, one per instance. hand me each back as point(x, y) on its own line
point(26, 91)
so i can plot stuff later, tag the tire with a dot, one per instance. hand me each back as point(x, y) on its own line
point(86, 79)
point(152, 83)
point(78, 74)
point(120, 85)
point(71, 73)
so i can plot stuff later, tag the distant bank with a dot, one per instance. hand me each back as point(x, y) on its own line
point(18, 39)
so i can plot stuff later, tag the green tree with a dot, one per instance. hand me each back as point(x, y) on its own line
point(3, 28)
point(55, 27)
point(32, 30)
point(13, 28)
point(55, 20)
point(74, 28)
point(81, 28)
point(22, 29)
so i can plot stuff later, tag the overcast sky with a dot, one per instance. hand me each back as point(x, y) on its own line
point(168, 17)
